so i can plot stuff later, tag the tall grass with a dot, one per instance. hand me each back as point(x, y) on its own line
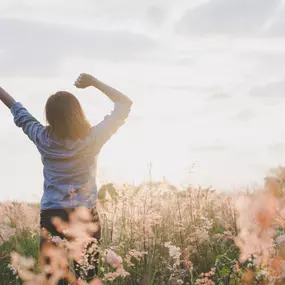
point(163, 235)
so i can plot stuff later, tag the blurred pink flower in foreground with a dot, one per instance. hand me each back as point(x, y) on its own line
point(79, 229)
point(116, 262)
point(257, 216)
point(113, 259)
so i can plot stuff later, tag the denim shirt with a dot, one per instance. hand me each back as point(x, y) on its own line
point(69, 165)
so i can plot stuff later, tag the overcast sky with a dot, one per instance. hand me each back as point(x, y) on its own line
point(207, 79)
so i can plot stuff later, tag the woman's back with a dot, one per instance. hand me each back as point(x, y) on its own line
point(69, 172)
point(69, 147)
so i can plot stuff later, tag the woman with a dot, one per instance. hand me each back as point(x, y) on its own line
point(69, 148)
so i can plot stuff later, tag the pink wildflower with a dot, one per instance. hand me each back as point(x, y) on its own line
point(113, 259)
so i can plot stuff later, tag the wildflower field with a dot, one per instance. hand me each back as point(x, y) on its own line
point(158, 234)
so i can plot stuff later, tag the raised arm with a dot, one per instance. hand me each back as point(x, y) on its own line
point(22, 118)
point(86, 80)
point(6, 98)
point(111, 123)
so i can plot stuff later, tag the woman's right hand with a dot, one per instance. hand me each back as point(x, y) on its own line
point(84, 80)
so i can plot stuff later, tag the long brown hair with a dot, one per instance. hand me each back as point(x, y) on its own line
point(65, 117)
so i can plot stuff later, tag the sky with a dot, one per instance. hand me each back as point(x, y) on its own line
point(207, 78)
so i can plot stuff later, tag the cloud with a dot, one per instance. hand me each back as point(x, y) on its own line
point(277, 148)
point(181, 87)
point(156, 15)
point(271, 62)
point(245, 116)
point(271, 90)
point(277, 29)
point(278, 24)
point(208, 148)
point(186, 61)
point(32, 48)
point(230, 17)
point(219, 96)
point(123, 13)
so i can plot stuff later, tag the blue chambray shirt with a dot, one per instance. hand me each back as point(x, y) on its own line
point(69, 165)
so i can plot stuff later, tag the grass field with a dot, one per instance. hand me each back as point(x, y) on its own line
point(158, 234)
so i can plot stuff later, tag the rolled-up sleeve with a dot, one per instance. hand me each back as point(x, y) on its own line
point(111, 123)
point(23, 119)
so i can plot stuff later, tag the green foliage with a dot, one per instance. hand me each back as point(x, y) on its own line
point(25, 244)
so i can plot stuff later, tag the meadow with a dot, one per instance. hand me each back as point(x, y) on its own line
point(156, 233)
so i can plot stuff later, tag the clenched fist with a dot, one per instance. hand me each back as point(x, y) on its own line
point(84, 80)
